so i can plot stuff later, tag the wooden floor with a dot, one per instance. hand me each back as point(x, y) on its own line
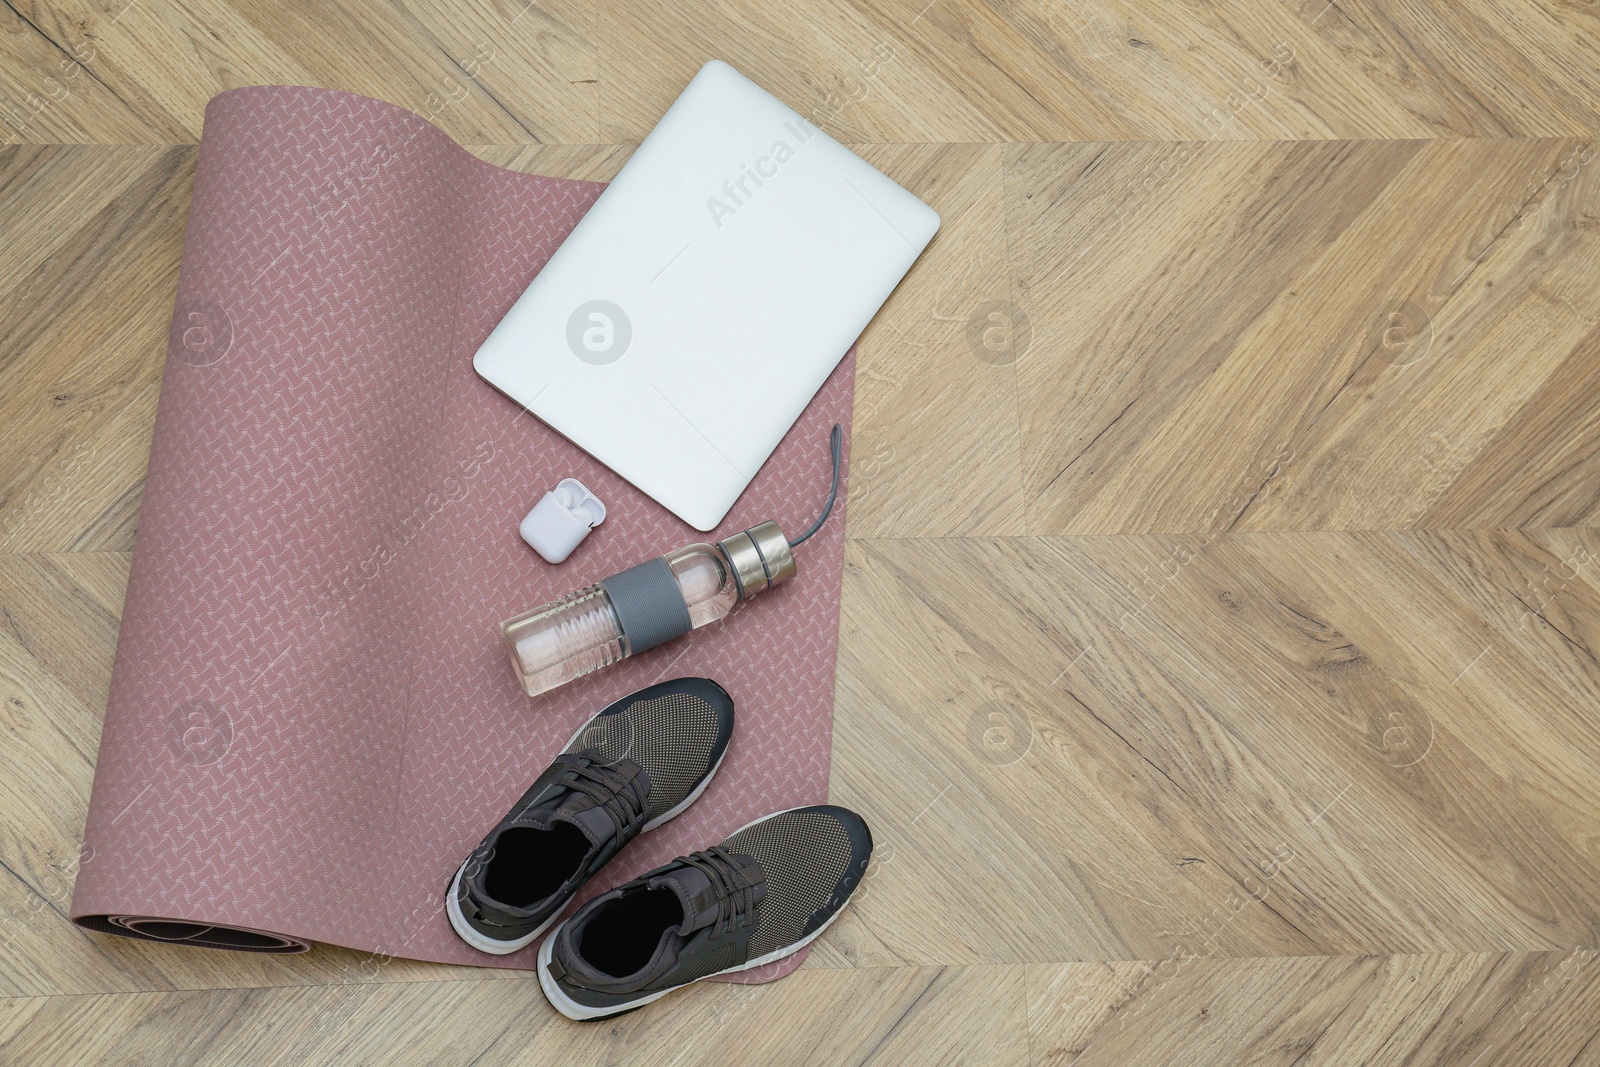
point(1222, 603)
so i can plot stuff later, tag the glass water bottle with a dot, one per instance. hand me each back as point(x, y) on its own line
point(644, 606)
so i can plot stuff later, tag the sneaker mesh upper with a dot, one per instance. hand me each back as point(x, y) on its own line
point(804, 854)
point(671, 736)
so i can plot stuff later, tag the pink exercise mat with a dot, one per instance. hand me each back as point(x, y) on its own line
point(311, 720)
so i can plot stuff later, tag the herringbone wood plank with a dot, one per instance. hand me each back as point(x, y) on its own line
point(1218, 655)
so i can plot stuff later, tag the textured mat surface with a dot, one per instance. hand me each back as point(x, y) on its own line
point(311, 721)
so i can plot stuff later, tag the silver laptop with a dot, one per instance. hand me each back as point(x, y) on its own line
point(692, 314)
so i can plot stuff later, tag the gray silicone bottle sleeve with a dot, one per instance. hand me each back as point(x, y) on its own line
point(648, 605)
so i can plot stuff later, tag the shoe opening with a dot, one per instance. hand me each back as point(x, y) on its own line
point(620, 940)
point(530, 864)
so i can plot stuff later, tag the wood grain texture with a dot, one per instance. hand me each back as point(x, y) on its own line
point(1218, 661)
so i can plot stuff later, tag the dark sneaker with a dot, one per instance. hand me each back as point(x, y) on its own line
point(763, 894)
point(638, 763)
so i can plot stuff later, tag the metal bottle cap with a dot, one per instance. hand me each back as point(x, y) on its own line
point(761, 558)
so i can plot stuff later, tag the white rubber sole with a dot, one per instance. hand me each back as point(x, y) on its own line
point(452, 900)
point(584, 1013)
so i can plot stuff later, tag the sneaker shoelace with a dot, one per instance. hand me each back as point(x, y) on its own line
point(622, 795)
point(736, 890)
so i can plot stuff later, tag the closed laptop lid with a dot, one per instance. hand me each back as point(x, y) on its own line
point(691, 315)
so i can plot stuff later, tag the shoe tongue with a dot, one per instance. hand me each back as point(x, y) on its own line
point(696, 894)
point(593, 821)
point(579, 809)
point(699, 897)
